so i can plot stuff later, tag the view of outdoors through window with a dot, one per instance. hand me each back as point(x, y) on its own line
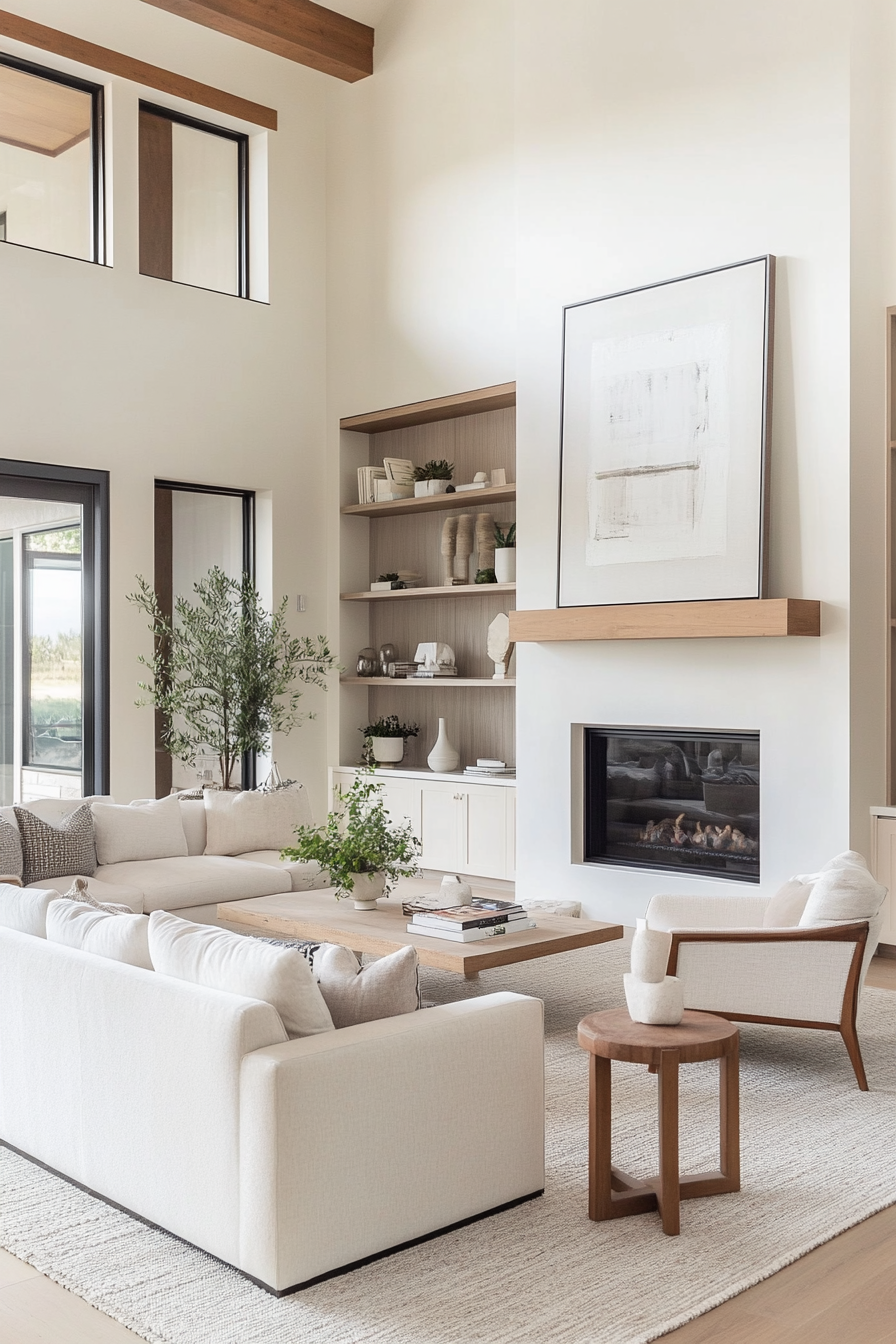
point(47, 168)
point(53, 616)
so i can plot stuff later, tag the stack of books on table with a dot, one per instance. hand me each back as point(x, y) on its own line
point(483, 918)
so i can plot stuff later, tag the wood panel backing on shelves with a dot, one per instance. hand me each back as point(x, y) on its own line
point(478, 722)
point(472, 442)
point(415, 543)
point(463, 625)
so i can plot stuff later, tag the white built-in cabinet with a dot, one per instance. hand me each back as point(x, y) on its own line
point(883, 865)
point(463, 828)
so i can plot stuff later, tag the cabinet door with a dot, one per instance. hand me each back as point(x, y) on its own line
point(486, 850)
point(402, 799)
point(442, 826)
point(883, 863)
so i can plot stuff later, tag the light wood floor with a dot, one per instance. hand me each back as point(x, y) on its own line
point(843, 1292)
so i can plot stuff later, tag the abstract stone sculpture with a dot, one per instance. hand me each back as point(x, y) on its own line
point(463, 548)
point(651, 995)
point(449, 549)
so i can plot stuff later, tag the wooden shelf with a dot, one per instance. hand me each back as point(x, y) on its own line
point(408, 594)
point(465, 499)
point(429, 683)
point(735, 619)
point(439, 408)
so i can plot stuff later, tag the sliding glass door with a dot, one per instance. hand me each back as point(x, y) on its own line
point(53, 689)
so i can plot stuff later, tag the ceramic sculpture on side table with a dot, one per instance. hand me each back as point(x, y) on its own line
point(652, 996)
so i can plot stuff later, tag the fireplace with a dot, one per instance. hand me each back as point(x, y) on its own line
point(674, 800)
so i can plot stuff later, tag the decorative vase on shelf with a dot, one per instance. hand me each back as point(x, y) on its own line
point(505, 564)
point(444, 757)
point(387, 750)
point(367, 889)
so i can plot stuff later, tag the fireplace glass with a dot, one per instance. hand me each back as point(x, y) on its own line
point(673, 800)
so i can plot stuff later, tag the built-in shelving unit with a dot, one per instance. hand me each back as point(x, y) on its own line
point(475, 431)
point(410, 594)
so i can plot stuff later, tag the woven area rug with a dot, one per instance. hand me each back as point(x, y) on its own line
point(814, 1163)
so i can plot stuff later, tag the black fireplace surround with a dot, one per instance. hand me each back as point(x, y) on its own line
point(673, 800)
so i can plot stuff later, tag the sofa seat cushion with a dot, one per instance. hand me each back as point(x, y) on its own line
point(119, 937)
point(219, 959)
point(304, 876)
point(104, 892)
point(201, 879)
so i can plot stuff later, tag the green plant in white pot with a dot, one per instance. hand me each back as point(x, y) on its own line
point(360, 846)
point(387, 738)
point(505, 554)
point(434, 477)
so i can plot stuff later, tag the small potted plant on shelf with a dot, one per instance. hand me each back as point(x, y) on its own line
point(433, 478)
point(387, 739)
point(360, 846)
point(505, 554)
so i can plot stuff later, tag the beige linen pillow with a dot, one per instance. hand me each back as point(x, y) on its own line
point(787, 905)
point(842, 896)
point(80, 892)
point(105, 933)
point(384, 988)
point(125, 833)
point(239, 822)
point(25, 908)
point(206, 955)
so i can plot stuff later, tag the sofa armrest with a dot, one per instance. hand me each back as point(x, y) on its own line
point(803, 975)
point(721, 911)
point(358, 1140)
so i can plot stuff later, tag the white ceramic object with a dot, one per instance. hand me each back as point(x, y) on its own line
point(422, 488)
point(444, 756)
point(367, 889)
point(650, 953)
point(505, 564)
point(387, 750)
point(659, 1005)
point(454, 892)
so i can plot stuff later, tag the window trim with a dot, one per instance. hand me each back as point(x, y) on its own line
point(241, 139)
point(97, 154)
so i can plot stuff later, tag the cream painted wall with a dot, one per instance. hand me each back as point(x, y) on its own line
point(105, 368)
point(611, 146)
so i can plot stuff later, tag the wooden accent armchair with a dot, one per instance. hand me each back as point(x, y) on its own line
point(796, 977)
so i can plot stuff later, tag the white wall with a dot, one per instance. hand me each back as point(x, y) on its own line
point(590, 147)
point(146, 378)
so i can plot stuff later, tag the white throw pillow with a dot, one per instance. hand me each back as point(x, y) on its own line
point(119, 937)
point(842, 895)
point(386, 987)
point(126, 834)
point(786, 907)
point(25, 908)
point(239, 822)
point(206, 955)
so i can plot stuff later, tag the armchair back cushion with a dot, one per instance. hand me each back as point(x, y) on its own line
point(842, 896)
point(786, 907)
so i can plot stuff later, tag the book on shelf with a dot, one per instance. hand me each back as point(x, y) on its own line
point(367, 478)
point(424, 672)
point(467, 917)
point(400, 470)
point(386, 490)
point(486, 763)
point(489, 772)
point(471, 935)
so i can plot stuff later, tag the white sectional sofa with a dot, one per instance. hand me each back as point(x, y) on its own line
point(191, 885)
point(287, 1159)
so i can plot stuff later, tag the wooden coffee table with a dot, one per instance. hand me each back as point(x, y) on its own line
point(319, 917)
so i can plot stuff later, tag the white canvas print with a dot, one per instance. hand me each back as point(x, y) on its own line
point(665, 412)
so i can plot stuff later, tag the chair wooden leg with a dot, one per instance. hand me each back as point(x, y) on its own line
point(851, 1041)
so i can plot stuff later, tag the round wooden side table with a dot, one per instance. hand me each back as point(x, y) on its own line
point(699, 1036)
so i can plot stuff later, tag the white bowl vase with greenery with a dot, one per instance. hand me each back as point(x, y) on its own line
point(367, 889)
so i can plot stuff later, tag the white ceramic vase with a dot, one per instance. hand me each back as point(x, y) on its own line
point(367, 889)
point(387, 750)
point(444, 757)
point(505, 564)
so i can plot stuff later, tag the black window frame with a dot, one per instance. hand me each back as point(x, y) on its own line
point(241, 140)
point(90, 489)
point(97, 155)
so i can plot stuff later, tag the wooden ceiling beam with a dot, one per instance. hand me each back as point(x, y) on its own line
point(297, 29)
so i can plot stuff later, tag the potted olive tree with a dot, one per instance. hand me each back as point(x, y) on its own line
point(224, 671)
point(359, 845)
point(387, 738)
point(433, 477)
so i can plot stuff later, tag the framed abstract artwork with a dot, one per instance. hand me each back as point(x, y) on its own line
point(664, 455)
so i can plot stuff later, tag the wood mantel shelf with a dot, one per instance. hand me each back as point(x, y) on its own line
point(737, 619)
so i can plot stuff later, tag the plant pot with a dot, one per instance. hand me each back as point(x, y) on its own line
point(444, 756)
point(505, 564)
point(422, 488)
point(367, 889)
point(387, 750)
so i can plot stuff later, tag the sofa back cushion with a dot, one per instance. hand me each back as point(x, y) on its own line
point(386, 987)
point(25, 909)
point(192, 814)
point(239, 822)
point(118, 936)
point(213, 957)
point(50, 850)
point(146, 830)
